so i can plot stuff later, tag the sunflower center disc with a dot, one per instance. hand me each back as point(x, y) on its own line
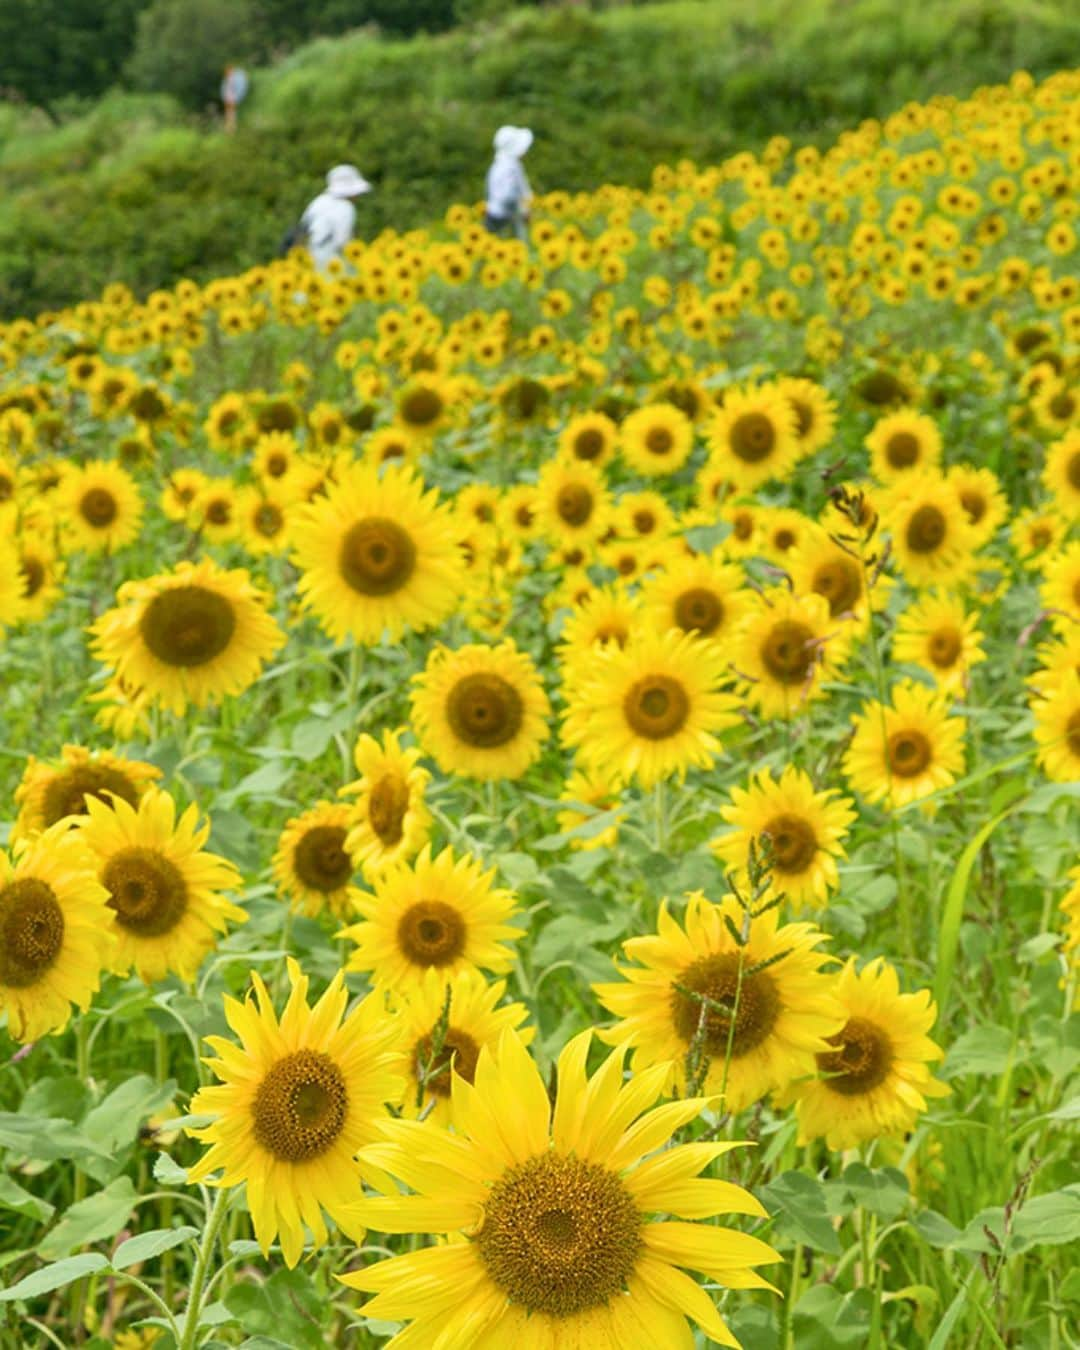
point(187, 626)
point(219, 512)
point(699, 610)
point(66, 794)
point(945, 646)
point(902, 449)
point(98, 507)
point(909, 753)
point(588, 444)
point(574, 503)
point(839, 581)
point(147, 891)
point(861, 1061)
point(804, 417)
point(1072, 471)
point(743, 525)
point(431, 933)
point(659, 441)
point(559, 1235)
point(788, 652)
point(656, 707)
point(458, 1049)
point(377, 557)
point(1072, 733)
point(716, 980)
point(794, 844)
point(33, 575)
point(320, 860)
point(300, 1106)
point(268, 520)
point(644, 522)
point(387, 805)
point(926, 530)
point(484, 710)
point(974, 504)
point(421, 407)
point(753, 437)
point(276, 465)
point(31, 931)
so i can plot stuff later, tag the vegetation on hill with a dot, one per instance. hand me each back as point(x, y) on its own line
point(138, 191)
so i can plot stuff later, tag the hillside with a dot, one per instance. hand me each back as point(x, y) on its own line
point(134, 190)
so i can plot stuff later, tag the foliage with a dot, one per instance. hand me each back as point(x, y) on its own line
point(183, 46)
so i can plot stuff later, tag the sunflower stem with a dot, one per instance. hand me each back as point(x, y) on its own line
point(165, 1204)
point(660, 815)
point(189, 1336)
point(82, 1073)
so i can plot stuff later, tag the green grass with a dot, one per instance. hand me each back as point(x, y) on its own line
point(132, 190)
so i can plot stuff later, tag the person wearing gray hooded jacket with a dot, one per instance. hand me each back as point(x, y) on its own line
point(508, 191)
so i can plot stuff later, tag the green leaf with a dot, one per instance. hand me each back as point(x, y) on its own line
point(261, 782)
point(101, 1215)
point(935, 1228)
point(983, 1050)
point(12, 1196)
point(953, 909)
point(115, 1122)
point(824, 1317)
point(1047, 1220)
point(797, 1204)
point(883, 1192)
point(287, 1305)
point(45, 1138)
point(144, 1246)
point(52, 1277)
point(168, 1172)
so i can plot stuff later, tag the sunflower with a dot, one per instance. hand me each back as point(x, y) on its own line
point(313, 864)
point(193, 635)
point(100, 507)
point(936, 633)
point(874, 1079)
point(549, 1211)
point(440, 913)
point(1061, 474)
point(785, 648)
point(181, 488)
point(228, 422)
point(782, 532)
point(40, 573)
point(1057, 728)
point(656, 439)
point(481, 711)
point(422, 406)
point(297, 1098)
point(50, 791)
point(443, 1023)
point(388, 821)
point(263, 518)
point(1060, 590)
point(644, 515)
point(1036, 536)
point(56, 933)
point(391, 445)
point(650, 709)
point(214, 512)
point(573, 502)
point(589, 437)
point(164, 889)
point(274, 456)
point(984, 503)
point(600, 794)
point(519, 512)
point(902, 443)
point(805, 830)
point(821, 566)
point(378, 555)
point(753, 436)
point(705, 596)
point(605, 617)
point(932, 537)
point(902, 751)
point(695, 986)
point(815, 413)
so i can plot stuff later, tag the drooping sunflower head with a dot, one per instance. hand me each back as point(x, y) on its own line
point(56, 933)
point(1061, 474)
point(193, 635)
point(165, 890)
point(481, 711)
point(1057, 726)
point(297, 1097)
point(600, 794)
point(50, 791)
point(388, 821)
point(437, 913)
point(312, 863)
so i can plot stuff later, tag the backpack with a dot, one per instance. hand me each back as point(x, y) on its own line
point(296, 236)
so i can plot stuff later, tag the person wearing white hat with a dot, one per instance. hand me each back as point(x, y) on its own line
point(328, 222)
point(508, 191)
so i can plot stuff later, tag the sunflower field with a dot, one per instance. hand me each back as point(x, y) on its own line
point(539, 782)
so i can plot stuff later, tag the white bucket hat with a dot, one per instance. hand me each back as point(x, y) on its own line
point(345, 180)
point(514, 140)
